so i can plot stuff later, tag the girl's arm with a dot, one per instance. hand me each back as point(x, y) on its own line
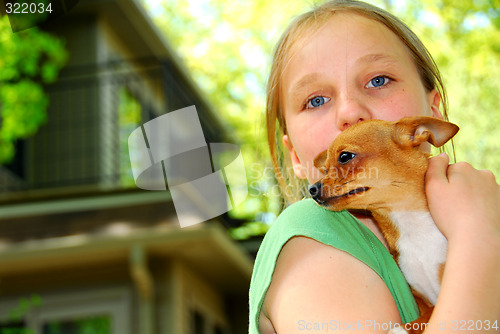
point(465, 204)
point(319, 289)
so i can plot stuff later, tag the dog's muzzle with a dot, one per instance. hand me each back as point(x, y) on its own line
point(315, 192)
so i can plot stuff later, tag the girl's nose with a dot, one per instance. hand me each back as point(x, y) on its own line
point(351, 110)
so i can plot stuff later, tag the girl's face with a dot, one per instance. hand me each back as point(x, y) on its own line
point(352, 69)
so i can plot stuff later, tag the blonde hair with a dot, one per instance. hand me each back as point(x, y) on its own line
point(292, 188)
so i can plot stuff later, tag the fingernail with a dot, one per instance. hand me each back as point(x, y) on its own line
point(443, 154)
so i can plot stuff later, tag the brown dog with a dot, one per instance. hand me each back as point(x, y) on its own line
point(378, 167)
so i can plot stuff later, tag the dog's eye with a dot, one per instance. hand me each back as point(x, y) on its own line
point(345, 157)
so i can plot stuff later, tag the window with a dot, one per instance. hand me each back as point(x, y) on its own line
point(100, 311)
point(14, 327)
point(94, 325)
point(203, 324)
point(219, 330)
point(198, 323)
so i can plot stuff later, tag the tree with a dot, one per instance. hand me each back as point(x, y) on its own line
point(464, 38)
point(29, 59)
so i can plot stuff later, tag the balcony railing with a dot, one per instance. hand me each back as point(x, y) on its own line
point(92, 111)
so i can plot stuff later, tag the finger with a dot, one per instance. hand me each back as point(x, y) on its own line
point(437, 169)
point(490, 175)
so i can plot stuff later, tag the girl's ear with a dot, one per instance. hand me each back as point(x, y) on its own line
point(435, 101)
point(297, 166)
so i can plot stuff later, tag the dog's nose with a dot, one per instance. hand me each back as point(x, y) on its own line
point(315, 192)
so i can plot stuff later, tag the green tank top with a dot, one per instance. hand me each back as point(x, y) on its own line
point(337, 229)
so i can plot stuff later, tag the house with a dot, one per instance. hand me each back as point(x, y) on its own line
point(81, 247)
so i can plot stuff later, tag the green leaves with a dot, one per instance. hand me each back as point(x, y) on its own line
point(23, 109)
point(466, 46)
point(28, 60)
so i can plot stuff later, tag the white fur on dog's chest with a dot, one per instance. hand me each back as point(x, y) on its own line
point(422, 249)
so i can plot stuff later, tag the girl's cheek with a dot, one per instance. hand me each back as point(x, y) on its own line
point(410, 104)
point(314, 176)
point(394, 109)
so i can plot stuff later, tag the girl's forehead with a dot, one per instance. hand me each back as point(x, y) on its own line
point(345, 36)
point(344, 30)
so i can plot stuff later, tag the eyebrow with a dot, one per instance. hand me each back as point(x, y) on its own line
point(305, 81)
point(377, 57)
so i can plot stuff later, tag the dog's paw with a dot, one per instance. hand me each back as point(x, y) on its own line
point(397, 330)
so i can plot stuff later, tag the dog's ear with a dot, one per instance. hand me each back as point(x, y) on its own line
point(413, 131)
point(319, 161)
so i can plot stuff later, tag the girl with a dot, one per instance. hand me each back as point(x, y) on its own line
point(317, 271)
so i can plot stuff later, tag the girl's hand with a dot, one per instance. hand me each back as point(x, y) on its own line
point(463, 201)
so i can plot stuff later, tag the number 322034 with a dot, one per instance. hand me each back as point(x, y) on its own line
point(27, 8)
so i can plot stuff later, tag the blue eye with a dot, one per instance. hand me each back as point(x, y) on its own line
point(378, 82)
point(316, 102)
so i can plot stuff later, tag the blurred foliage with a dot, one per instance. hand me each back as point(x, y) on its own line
point(464, 39)
point(24, 305)
point(14, 324)
point(28, 60)
point(227, 46)
point(129, 118)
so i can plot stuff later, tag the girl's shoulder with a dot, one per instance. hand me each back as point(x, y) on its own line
point(305, 212)
point(306, 218)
